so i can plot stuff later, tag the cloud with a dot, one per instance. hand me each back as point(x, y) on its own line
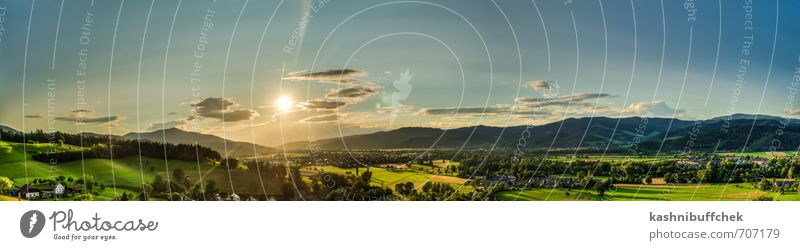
point(578, 99)
point(501, 109)
point(82, 111)
point(792, 111)
point(222, 107)
point(335, 76)
point(330, 76)
point(168, 124)
point(466, 110)
point(321, 118)
point(654, 108)
point(352, 92)
point(322, 104)
point(540, 84)
point(33, 116)
point(400, 109)
point(98, 120)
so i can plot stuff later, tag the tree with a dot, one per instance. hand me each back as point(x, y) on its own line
point(5, 184)
point(405, 189)
point(600, 188)
point(100, 150)
point(159, 185)
point(178, 174)
point(143, 196)
point(764, 185)
point(211, 189)
point(648, 180)
point(230, 162)
point(288, 191)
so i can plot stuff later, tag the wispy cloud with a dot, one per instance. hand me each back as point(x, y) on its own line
point(321, 118)
point(540, 84)
point(578, 99)
point(352, 92)
point(322, 104)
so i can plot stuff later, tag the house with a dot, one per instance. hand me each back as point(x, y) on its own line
point(233, 197)
point(32, 195)
point(58, 191)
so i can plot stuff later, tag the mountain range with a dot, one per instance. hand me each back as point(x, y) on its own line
point(725, 133)
point(645, 134)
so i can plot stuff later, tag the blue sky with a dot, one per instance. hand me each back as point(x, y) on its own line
point(469, 62)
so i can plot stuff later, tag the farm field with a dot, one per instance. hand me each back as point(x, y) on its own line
point(389, 178)
point(628, 192)
point(761, 154)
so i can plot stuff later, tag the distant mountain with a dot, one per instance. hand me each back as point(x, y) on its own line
point(7, 128)
point(726, 135)
point(570, 134)
point(752, 117)
point(178, 136)
point(645, 134)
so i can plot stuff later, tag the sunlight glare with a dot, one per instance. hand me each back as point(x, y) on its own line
point(284, 103)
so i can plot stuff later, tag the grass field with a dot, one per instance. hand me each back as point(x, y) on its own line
point(7, 198)
point(761, 154)
point(128, 173)
point(629, 192)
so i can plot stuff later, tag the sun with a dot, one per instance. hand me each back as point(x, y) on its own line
point(284, 103)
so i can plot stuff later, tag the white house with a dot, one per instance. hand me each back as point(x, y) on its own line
point(32, 195)
point(59, 190)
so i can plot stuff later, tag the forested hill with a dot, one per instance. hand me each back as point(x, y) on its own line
point(178, 136)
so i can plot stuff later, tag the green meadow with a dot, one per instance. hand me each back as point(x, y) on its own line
point(637, 192)
point(125, 174)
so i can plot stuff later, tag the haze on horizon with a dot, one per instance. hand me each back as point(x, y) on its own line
point(272, 72)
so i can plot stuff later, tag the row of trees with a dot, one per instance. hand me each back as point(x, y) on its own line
point(123, 148)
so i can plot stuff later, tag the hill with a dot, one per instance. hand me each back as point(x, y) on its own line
point(178, 136)
point(7, 128)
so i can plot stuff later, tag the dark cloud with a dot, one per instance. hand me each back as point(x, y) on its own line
point(81, 111)
point(354, 92)
point(98, 120)
point(219, 108)
point(330, 76)
point(33, 116)
point(579, 99)
point(322, 104)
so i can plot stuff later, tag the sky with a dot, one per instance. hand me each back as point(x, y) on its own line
point(272, 72)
